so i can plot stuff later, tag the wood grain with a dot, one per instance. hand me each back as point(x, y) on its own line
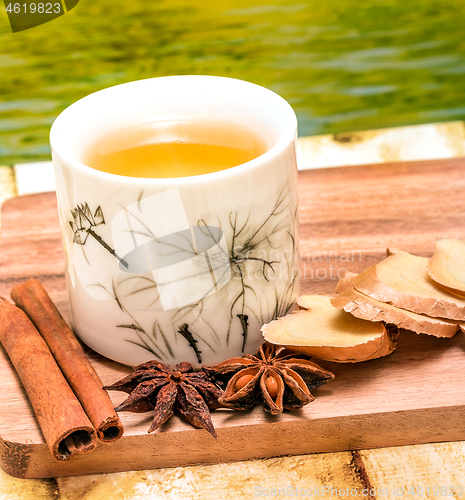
point(348, 218)
point(429, 471)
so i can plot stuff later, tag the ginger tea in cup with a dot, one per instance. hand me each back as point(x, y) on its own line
point(177, 199)
point(177, 148)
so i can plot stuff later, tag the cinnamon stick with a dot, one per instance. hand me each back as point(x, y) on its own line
point(64, 424)
point(32, 298)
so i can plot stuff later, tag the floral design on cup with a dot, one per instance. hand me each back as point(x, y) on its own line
point(82, 224)
point(180, 266)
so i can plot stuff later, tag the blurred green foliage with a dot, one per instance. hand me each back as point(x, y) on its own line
point(343, 65)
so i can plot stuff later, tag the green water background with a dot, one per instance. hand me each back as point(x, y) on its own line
point(344, 65)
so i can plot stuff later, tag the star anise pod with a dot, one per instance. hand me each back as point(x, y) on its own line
point(155, 386)
point(279, 377)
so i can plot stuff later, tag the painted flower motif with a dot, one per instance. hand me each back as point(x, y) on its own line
point(84, 221)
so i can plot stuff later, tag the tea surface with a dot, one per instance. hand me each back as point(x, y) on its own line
point(175, 149)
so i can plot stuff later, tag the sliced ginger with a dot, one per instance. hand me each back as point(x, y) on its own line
point(447, 266)
point(328, 333)
point(364, 307)
point(402, 280)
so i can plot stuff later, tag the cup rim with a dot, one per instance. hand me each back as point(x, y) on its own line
point(281, 144)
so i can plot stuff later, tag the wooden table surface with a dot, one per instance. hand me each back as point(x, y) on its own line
point(353, 217)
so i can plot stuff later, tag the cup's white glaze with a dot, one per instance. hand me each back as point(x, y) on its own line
point(181, 269)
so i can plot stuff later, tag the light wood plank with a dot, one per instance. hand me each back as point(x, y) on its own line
point(411, 143)
point(30, 180)
point(428, 471)
point(13, 488)
point(7, 184)
point(226, 481)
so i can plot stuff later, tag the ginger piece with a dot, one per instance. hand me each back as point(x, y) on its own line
point(346, 282)
point(328, 333)
point(402, 280)
point(364, 307)
point(447, 266)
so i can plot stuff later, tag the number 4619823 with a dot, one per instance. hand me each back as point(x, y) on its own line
point(34, 8)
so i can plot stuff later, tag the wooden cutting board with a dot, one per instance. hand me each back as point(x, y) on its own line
point(348, 218)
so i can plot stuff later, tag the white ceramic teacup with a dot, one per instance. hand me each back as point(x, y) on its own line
point(178, 269)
